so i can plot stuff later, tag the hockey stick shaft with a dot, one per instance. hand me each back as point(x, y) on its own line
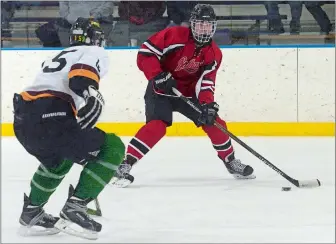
point(97, 211)
point(309, 183)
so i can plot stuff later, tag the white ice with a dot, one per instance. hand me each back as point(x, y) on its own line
point(183, 193)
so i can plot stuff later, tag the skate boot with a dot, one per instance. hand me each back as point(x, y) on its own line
point(35, 222)
point(238, 169)
point(122, 177)
point(75, 220)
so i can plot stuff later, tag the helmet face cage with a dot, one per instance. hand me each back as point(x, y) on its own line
point(203, 23)
point(203, 30)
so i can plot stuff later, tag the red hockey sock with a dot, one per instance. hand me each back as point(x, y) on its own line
point(220, 141)
point(145, 140)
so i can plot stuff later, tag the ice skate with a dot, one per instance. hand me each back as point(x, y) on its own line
point(122, 178)
point(75, 220)
point(239, 170)
point(35, 222)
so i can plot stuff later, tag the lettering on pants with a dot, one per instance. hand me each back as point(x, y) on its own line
point(56, 114)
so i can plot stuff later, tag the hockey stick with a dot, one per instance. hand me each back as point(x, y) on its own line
point(301, 184)
point(97, 211)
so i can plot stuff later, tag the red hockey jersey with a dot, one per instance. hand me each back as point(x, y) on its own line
point(173, 50)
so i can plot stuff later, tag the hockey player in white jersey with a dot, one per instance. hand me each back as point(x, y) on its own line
point(54, 120)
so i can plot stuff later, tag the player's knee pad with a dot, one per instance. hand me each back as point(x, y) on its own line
point(112, 151)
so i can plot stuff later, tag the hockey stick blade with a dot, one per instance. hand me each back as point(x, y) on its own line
point(309, 183)
point(300, 184)
point(94, 212)
point(97, 211)
point(297, 183)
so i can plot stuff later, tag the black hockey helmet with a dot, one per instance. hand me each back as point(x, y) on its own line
point(203, 23)
point(86, 32)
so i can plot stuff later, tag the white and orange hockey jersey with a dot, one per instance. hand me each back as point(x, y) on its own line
point(91, 62)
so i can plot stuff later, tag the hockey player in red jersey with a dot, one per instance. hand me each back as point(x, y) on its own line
point(187, 59)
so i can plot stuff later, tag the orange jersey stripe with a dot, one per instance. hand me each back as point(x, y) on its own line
point(27, 97)
point(85, 73)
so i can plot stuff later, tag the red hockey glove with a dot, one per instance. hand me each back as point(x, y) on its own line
point(164, 82)
point(209, 113)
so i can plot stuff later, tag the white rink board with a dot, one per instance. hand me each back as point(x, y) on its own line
point(316, 87)
point(253, 84)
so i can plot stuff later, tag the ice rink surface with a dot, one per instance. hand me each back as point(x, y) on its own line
point(183, 193)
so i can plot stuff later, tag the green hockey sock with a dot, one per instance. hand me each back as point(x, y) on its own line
point(46, 180)
point(98, 173)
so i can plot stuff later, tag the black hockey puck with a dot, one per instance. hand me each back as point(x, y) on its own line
point(286, 188)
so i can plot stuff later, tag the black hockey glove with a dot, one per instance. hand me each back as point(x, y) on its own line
point(89, 114)
point(209, 113)
point(164, 82)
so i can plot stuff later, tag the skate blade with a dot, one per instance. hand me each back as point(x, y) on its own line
point(241, 177)
point(37, 231)
point(64, 226)
point(120, 183)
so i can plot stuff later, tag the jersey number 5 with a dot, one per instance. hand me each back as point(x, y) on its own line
point(62, 62)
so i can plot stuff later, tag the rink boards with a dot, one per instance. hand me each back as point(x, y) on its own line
point(278, 91)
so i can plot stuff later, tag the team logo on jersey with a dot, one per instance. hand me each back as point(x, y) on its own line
point(190, 66)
